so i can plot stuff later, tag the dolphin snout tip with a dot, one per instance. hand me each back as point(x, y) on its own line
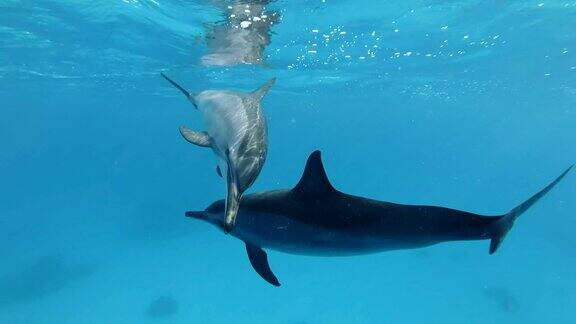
point(194, 214)
point(228, 227)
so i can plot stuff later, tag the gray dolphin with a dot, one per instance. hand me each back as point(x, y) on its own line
point(236, 132)
point(313, 218)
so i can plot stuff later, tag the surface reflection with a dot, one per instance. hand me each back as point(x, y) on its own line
point(242, 36)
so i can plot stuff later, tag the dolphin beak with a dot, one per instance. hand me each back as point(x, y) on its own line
point(196, 214)
point(232, 197)
point(232, 206)
point(231, 212)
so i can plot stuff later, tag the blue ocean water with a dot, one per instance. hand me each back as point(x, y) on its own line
point(464, 104)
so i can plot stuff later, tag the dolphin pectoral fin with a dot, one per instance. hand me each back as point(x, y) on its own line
point(261, 92)
point(196, 138)
point(259, 261)
point(218, 171)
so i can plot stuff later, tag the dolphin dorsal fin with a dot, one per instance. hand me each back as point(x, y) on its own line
point(314, 180)
point(263, 90)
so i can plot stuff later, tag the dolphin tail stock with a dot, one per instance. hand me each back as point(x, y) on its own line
point(188, 94)
point(503, 224)
point(263, 90)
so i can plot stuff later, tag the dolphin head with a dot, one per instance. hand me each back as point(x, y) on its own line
point(242, 171)
point(214, 214)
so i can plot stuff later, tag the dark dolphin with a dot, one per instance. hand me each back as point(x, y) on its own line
point(313, 218)
point(47, 276)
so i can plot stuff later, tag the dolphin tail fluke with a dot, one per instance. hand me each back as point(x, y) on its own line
point(503, 224)
point(263, 90)
point(188, 94)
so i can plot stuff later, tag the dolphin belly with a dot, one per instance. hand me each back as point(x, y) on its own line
point(226, 121)
point(283, 234)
